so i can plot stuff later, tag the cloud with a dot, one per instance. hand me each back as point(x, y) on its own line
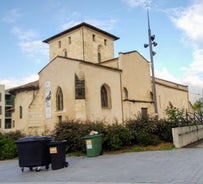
point(34, 48)
point(67, 20)
point(190, 21)
point(12, 82)
point(138, 3)
point(107, 25)
point(12, 16)
point(24, 35)
point(166, 75)
point(29, 43)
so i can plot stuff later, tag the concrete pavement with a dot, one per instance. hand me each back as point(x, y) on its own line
point(180, 166)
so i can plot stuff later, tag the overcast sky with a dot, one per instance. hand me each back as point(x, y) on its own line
point(177, 24)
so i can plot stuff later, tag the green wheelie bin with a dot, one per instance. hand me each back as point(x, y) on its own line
point(93, 145)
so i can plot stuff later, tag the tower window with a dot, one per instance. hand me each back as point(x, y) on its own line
point(69, 40)
point(59, 44)
point(105, 42)
point(99, 53)
point(65, 54)
point(93, 37)
point(21, 112)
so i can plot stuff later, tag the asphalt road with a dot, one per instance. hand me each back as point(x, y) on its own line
point(178, 166)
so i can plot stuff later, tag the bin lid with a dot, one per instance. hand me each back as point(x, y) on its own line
point(34, 139)
point(55, 143)
point(92, 136)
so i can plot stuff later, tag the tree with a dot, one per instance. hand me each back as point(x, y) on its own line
point(198, 105)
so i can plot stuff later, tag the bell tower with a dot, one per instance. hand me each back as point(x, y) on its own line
point(84, 42)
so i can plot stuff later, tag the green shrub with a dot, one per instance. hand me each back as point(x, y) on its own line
point(141, 126)
point(74, 131)
point(15, 135)
point(117, 136)
point(164, 130)
point(148, 139)
point(7, 149)
point(114, 136)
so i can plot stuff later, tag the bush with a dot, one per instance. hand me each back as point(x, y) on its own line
point(15, 135)
point(7, 149)
point(117, 136)
point(141, 126)
point(114, 136)
point(164, 130)
point(148, 139)
point(73, 132)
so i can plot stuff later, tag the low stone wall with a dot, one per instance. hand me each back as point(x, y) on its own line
point(183, 136)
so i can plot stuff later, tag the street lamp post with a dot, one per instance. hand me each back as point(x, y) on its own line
point(152, 53)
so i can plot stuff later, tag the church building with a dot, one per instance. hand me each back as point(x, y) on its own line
point(83, 81)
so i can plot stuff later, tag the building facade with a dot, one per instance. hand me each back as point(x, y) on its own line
point(84, 81)
point(6, 108)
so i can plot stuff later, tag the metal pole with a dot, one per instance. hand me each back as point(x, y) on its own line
point(152, 68)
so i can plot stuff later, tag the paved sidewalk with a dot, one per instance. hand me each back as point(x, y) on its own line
point(181, 166)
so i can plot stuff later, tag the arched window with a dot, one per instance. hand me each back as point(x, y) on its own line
point(99, 53)
point(65, 53)
point(125, 93)
point(59, 99)
point(105, 97)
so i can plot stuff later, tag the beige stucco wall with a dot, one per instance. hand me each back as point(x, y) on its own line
point(91, 47)
point(61, 72)
point(82, 45)
point(136, 79)
point(171, 92)
point(74, 49)
point(22, 99)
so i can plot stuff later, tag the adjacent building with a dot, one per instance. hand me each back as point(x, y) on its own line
point(6, 109)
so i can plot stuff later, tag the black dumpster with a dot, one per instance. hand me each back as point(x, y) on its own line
point(33, 151)
point(57, 152)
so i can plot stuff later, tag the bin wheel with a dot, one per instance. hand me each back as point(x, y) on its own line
point(22, 169)
point(65, 164)
point(38, 169)
point(30, 168)
point(47, 167)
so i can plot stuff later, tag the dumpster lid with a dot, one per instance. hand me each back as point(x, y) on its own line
point(34, 139)
point(55, 143)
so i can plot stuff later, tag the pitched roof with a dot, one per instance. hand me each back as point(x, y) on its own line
point(26, 87)
point(78, 26)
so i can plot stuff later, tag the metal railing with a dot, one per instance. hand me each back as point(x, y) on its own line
point(189, 119)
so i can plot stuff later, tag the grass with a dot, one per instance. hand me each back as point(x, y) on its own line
point(160, 147)
point(137, 148)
